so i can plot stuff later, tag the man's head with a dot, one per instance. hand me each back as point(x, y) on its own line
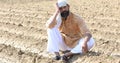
point(64, 8)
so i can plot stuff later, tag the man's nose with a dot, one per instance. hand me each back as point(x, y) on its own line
point(63, 9)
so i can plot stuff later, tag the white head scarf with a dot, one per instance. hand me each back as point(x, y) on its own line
point(62, 3)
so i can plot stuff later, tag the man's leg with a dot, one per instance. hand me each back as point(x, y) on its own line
point(78, 48)
point(54, 39)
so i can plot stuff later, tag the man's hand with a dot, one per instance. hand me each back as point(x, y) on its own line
point(84, 48)
point(57, 8)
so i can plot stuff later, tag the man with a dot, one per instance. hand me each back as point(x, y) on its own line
point(67, 31)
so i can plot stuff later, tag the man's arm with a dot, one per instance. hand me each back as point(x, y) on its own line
point(86, 34)
point(52, 22)
point(86, 39)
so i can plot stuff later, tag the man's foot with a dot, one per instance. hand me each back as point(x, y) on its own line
point(65, 58)
point(57, 57)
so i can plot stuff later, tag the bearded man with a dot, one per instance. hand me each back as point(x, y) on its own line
point(67, 32)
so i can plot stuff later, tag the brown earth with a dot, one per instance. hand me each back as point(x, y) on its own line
point(23, 36)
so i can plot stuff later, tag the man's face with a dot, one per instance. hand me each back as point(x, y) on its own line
point(64, 11)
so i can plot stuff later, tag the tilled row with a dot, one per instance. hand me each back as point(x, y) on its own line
point(22, 42)
point(22, 30)
point(9, 54)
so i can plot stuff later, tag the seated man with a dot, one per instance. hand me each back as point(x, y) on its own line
point(67, 31)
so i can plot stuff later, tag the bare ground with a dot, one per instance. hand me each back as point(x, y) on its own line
point(23, 36)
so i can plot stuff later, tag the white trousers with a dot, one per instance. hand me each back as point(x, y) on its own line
point(56, 43)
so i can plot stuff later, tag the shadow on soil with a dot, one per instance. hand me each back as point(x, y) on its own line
point(90, 53)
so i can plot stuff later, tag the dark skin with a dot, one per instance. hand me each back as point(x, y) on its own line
point(87, 35)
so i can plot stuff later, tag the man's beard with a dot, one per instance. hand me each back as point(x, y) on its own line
point(65, 14)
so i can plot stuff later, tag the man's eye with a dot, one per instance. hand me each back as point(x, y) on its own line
point(64, 7)
point(60, 8)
